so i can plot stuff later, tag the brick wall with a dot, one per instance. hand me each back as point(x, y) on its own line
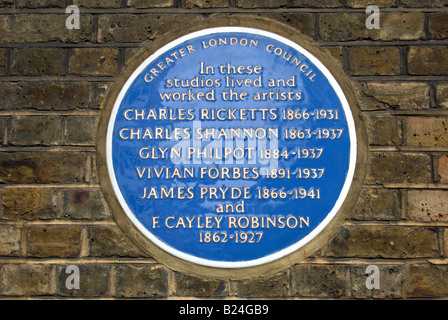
point(52, 85)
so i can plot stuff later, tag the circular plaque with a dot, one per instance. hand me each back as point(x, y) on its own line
point(231, 147)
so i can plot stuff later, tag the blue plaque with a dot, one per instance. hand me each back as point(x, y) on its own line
point(231, 147)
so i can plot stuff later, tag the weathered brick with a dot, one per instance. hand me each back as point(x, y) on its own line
point(442, 169)
point(26, 280)
point(426, 281)
point(6, 3)
point(41, 4)
point(187, 285)
point(140, 28)
point(111, 241)
point(80, 130)
point(42, 167)
point(374, 61)
point(61, 241)
point(206, 4)
point(304, 22)
point(35, 130)
point(37, 61)
point(44, 95)
point(442, 96)
point(394, 95)
point(10, 237)
point(365, 3)
point(98, 3)
point(351, 26)
point(389, 167)
point(445, 241)
point(29, 203)
point(318, 4)
point(26, 28)
point(427, 205)
point(391, 279)
point(275, 285)
point(142, 4)
point(2, 62)
point(427, 132)
point(437, 25)
point(377, 204)
point(102, 90)
point(393, 242)
point(93, 281)
point(260, 3)
point(319, 281)
point(428, 60)
point(3, 129)
point(423, 4)
point(384, 131)
point(94, 62)
point(117, 28)
point(336, 52)
point(84, 204)
point(139, 281)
